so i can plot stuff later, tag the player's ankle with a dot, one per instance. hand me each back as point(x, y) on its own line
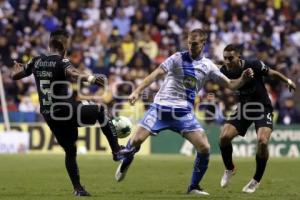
point(78, 187)
point(231, 168)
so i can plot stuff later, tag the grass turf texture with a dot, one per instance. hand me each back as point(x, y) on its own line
point(150, 177)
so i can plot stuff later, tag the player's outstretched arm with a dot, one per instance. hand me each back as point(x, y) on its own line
point(74, 74)
point(279, 76)
point(156, 74)
point(18, 71)
point(235, 84)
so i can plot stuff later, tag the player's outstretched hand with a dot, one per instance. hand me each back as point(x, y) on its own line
point(17, 65)
point(291, 85)
point(248, 74)
point(133, 97)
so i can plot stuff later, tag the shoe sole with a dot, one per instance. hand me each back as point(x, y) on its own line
point(120, 176)
point(196, 192)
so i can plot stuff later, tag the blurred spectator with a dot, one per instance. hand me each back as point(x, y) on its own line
point(149, 46)
point(126, 40)
point(128, 48)
point(26, 105)
point(217, 48)
point(193, 23)
point(162, 17)
point(288, 114)
point(49, 21)
point(122, 22)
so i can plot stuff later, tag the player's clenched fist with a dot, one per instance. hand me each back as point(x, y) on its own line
point(99, 80)
point(133, 97)
point(248, 74)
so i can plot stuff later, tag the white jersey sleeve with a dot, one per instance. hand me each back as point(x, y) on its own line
point(215, 74)
point(169, 64)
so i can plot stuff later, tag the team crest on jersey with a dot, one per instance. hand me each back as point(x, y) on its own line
point(65, 60)
point(190, 82)
point(264, 68)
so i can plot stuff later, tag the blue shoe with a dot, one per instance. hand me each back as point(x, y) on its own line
point(118, 156)
point(123, 168)
point(123, 153)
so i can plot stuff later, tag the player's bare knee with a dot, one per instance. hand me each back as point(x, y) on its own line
point(224, 137)
point(262, 142)
point(206, 149)
point(227, 134)
point(203, 148)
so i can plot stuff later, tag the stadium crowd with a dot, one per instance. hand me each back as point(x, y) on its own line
point(127, 39)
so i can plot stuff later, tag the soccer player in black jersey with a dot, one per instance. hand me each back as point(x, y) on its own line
point(254, 107)
point(52, 73)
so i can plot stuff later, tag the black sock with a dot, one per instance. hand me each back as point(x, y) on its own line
point(226, 152)
point(261, 163)
point(108, 130)
point(72, 167)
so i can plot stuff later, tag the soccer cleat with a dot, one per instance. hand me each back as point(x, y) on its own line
point(251, 186)
point(226, 177)
point(123, 168)
point(81, 192)
point(196, 190)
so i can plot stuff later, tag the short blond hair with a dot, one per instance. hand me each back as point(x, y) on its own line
point(202, 33)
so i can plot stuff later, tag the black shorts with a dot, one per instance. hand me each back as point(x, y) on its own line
point(65, 120)
point(242, 118)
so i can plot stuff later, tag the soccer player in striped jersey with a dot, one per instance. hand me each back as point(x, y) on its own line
point(185, 74)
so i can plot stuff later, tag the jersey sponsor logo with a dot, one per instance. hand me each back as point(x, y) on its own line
point(40, 63)
point(269, 117)
point(264, 67)
point(190, 82)
point(44, 74)
point(45, 90)
point(150, 121)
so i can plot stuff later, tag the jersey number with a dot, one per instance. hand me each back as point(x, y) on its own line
point(45, 89)
point(269, 117)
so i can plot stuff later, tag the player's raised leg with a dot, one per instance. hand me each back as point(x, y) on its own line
point(201, 144)
point(132, 146)
point(262, 155)
point(227, 134)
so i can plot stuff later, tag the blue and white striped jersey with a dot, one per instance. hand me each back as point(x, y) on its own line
point(185, 77)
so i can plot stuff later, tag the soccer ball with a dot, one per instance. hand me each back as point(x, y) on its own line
point(123, 126)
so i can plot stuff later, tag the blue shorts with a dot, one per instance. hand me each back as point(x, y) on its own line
point(159, 118)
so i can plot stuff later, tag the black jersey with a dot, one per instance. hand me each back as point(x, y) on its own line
point(254, 90)
point(51, 81)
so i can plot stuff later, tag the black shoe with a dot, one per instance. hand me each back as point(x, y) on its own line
point(81, 192)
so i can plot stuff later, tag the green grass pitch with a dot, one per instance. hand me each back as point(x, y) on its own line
point(157, 177)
